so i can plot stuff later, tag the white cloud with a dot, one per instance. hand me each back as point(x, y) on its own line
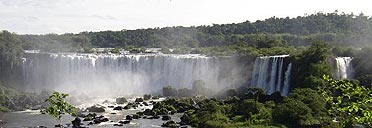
point(61, 16)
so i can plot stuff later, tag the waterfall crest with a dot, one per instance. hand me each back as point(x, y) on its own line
point(272, 73)
point(105, 74)
point(344, 67)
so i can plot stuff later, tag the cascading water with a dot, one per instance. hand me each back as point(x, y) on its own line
point(268, 74)
point(112, 74)
point(344, 68)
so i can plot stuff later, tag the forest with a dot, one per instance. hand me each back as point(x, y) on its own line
point(316, 99)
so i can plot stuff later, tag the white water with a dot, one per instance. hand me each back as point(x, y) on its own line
point(268, 74)
point(344, 68)
point(133, 74)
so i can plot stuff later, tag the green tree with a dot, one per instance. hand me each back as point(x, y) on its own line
point(310, 65)
point(10, 48)
point(292, 113)
point(58, 106)
point(350, 103)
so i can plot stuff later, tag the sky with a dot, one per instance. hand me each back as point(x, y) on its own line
point(74, 16)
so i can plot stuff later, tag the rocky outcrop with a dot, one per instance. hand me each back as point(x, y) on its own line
point(121, 100)
point(96, 108)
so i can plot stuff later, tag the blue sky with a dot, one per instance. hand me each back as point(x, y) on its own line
point(73, 16)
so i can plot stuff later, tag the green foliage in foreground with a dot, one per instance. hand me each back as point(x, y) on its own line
point(342, 100)
point(58, 106)
point(349, 102)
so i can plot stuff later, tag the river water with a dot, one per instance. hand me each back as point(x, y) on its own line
point(33, 118)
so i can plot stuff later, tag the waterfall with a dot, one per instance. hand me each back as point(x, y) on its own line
point(268, 74)
point(344, 68)
point(113, 74)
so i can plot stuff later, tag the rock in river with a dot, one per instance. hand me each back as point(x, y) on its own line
point(96, 108)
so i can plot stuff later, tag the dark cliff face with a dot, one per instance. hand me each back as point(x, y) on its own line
point(129, 74)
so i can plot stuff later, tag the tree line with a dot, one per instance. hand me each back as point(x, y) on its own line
point(335, 28)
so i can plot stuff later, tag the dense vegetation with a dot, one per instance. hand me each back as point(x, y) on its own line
point(337, 103)
point(335, 28)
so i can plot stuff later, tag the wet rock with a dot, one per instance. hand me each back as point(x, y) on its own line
point(136, 116)
point(97, 121)
point(135, 105)
point(90, 123)
point(138, 100)
point(118, 125)
point(147, 112)
point(121, 100)
point(92, 114)
point(171, 124)
point(104, 119)
point(41, 127)
point(127, 107)
point(88, 118)
point(57, 126)
point(140, 113)
point(129, 117)
point(155, 97)
point(156, 116)
point(165, 117)
point(76, 122)
point(112, 113)
point(118, 108)
point(96, 108)
point(124, 121)
point(110, 106)
point(145, 103)
point(147, 96)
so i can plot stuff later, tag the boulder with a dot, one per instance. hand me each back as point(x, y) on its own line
point(76, 123)
point(171, 124)
point(96, 108)
point(90, 123)
point(166, 117)
point(88, 118)
point(156, 116)
point(138, 100)
point(118, 108)
point(136, 116)
point(124, 121)
point(147, 96)
point(97, 121)
point(129, 117)
point(104, 119)
point(127, 107)
point(118, 124)
point(121, 100)
point(147, 112)
point(140, 113)
point(145, 103)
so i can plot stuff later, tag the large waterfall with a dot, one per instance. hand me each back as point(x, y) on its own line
point(112, 74)
point(344, 68)
point(272, 73)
